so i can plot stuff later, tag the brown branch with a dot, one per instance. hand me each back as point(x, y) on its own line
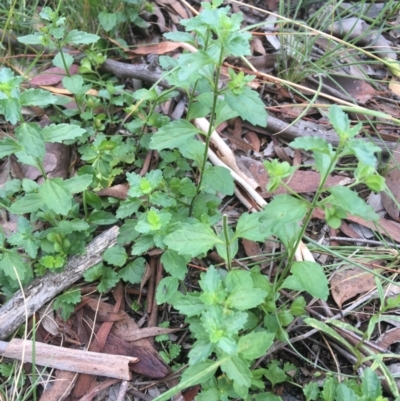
point(43, 289)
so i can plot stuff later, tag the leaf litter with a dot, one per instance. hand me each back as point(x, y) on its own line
point(119, 333)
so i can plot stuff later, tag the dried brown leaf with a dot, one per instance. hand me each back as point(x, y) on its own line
point(350, 281)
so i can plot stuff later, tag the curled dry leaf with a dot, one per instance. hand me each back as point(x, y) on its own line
point(350, 281)
point(119, 191)
point(53, 76)
point(392, 181)
point(158, 48)
point(300, 182)
point(388, 338)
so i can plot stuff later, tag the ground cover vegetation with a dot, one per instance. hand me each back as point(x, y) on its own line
point(134, 159)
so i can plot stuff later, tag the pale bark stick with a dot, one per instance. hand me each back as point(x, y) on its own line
point(72, 360)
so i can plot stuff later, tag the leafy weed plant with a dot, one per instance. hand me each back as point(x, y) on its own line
point(236, 315)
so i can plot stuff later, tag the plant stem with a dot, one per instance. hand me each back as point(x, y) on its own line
point(227, 243)
point(78, 102)
point(292, 250)
point(211, 126)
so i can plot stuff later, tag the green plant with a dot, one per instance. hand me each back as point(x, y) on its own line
point(369, 389)
point(237, 314)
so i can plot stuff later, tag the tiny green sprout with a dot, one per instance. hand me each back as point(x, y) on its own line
point(238, 81)
point(334, 216)
point(276, 172)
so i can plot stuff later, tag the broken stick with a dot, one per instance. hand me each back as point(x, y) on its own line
point(25, 303)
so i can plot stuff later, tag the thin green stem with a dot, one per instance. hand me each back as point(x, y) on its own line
point(41, 167)
point(292, 250)
point(85, 207)
point(211, 126)
point(227, 243)
point(78, 101)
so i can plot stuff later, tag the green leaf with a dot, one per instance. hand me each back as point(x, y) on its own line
point(11, 109)
point(34, 39)
point(211, 284)
point(191, 63)
point(199, 373)
point(340, 121)
point(92, 199)
point(133, 271)
point(30, 137)
point(363, 150)
point(352, 203)
point(298, 306)
point(283, 210)
point(30, 203)
point(310, 277)
point(255, 344)
point(166, 289)
point(329, 390)
point(312, 143)
point(101, 217)
point(142, 244)
point(368, 176)
point(174, 264)
point(109, 280)
point(311, 391)
point(344, 393)
point(25, 238)
point(274, 373)
point(62, 132)
point(219, 179)
point(127, 232)
point(128, 208)
point(248, 105)
point(56, 195)
point(13, 265)
point(224, 112)
point(108, 277)
point(179, 37)
point(66, 302)
point(108, 21)
point(371, 385)
point(237, 370)
point(192, 239)
point(237, 44)
point(242, 299)
point(200, 351)
point(153, 220)
point(76, 37)
point(94, 273)
point(74, 84)
point(69, 226)
point(248, 226)
point(37, 97)
point(116, 256)
point(58, 61)
point(189, 305)
point(8, 146)
point(78, 183)
point(172, 135)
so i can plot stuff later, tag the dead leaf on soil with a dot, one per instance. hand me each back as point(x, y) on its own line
point(158, 48)
point(300, 182)
point(388, 338)
point(392, 182)
point(119, 191)
point(349, 281)
point(384, 227)
point(53, 76)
